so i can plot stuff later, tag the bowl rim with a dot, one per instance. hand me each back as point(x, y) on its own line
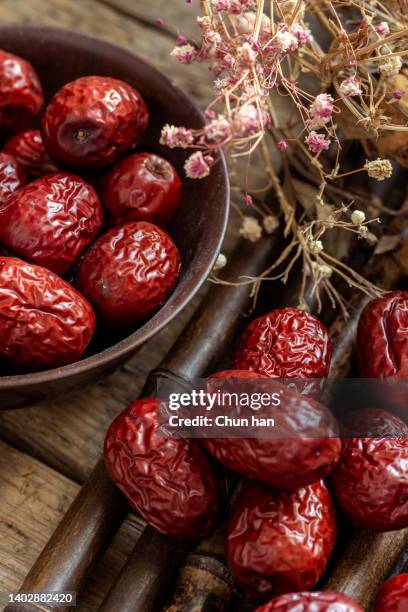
point(129, 344)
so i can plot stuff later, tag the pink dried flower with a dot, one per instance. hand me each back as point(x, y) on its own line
point(246, 54)
point(322, 106)
point(285, 42)
point(351, 87)
point(248, 200)
point(302, 34)
point(282, 145)
point(398, 94)
point(317, 142)
point(228, 60)
point(197, 166)
point(209, 113)
point(218, 130)
point(185, 54)
point(203, 22)
point(247, 120)
point(221, 5)
point(172, 136)
point(181, 40)
point(160, 20)
point(383, 28)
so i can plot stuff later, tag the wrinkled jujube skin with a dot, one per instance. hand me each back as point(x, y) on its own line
point(323, 601)
point(285, 343)
point(142, 187)
point(393, 595)
point(129, 272)
point(28, 149)
point(382, 339)
point(51, 221)
point(12, 176)
point(371, 479)
point(298, 421)
point(44, 322)
point(92, 120)
point(21, 95)
point(280, 541)
point(171, 482)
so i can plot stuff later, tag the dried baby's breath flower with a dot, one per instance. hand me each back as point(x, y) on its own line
point(270, 223)
point(257, 52)
point(379, 169)
point(220, 263)
point(358, 217)
point(250, 229)
point(391, 66)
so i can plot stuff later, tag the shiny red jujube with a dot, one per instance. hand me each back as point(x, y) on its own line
point(21, 95)
point(51, 221)
point(12, 176)
point(285, 343)
point(323, 601)
point(393, 595)
point(142, 187)
point(92, 120)
point(129, 272)
point(44, 322)
point(171, 482)
point(382, 339)
point(280, 541)
point(271, 459)
point(371, 479)
point(28, 149)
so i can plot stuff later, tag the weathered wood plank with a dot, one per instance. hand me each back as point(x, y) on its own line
point(177, 15)
point(34, 499)
point(95, 18)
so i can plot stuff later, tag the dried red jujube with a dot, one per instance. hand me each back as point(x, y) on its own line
point(171, 482)
point(28, 149)
point(305, 437)
point(382, 339)
point(393, 595)
point(51, 221)
point(142, 187)
point(280, 541)
point(285, 343)
point(21, 95)
point(44, 322)
point(319, 601)
point(92, 120)
point(129, 272)
point(12, 176)
point(371, 479)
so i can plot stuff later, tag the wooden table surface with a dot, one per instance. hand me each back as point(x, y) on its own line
point(48, 450)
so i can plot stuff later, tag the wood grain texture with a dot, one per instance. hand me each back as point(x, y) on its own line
point(34, 499)
point(99, 19)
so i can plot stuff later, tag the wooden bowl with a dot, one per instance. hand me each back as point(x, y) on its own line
point(60, 56)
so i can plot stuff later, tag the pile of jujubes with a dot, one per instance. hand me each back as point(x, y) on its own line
point(82, 216)
point(281, 529)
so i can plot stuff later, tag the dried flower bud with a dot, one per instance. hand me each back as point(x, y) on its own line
point(250, 229)
point(220, 263)
point(185, 54)
point(390, 66)
point(383, 28)
point(317, 142)
point(379, 169)
point(197, 166)
point(282, 145)
point(270, 223)
point(358, 217)
point(351, 87)
point(315, 246)
point(172, 136)
point(322, 106)
point(246, 54)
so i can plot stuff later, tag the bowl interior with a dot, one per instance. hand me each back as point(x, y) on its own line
point(61, 56)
